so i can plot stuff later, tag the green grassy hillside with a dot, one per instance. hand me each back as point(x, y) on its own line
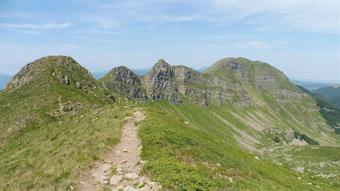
point(278, 105)
point(56, 119)
point(198, 150)
point(50, 131)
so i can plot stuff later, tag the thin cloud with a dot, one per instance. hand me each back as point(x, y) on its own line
point(278, 15)
point(29, 32)
point(251, 44)
point(303, 15)
point(261, 44)
point(19, 15)
point(106, 24)
point(28, 26)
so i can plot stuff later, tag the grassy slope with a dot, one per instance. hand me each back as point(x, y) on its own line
point(316, 161)
point(196, 151)
point(40, 150)
point(298, 114)
point(49, 155)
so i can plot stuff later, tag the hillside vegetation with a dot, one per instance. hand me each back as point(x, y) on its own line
point(197, 150)
point(240, 125)
point(51, 130)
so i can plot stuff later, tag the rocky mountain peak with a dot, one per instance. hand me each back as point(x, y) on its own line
point(161, 62)
point(123, 74)
point(124, 81)
point(63, 68)
point(159, 83)
point(161, 66)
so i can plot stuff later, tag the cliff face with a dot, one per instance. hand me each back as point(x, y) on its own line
point(192, 84)
point(160, 83)
point(125, 82)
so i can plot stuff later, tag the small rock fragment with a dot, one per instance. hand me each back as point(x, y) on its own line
point(130, 188)
point(131, 176)
point(231, 180)
point(106, 167)
point(115, 179)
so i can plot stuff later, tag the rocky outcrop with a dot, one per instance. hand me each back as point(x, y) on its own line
point(266, 82)
point(240, 71)
point(160, 83)
point(192, 84)
point(20, 78)
point(124, 81)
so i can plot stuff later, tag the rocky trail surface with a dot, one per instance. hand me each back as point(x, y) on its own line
point(120, 169)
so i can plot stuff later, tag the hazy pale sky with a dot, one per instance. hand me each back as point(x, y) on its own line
point(300, 37)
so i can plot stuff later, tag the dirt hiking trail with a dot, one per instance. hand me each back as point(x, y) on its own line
point(120, 169)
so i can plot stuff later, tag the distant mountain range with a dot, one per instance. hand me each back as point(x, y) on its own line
point(330, 94)
point(328, 101)
point(311, 85)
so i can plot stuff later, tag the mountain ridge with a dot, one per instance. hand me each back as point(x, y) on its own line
point(237, 121)
point(187, 76)
point(236, 82)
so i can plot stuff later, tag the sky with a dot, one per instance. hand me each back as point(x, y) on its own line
point(300, 37)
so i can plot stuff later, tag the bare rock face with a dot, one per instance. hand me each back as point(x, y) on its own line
point(20, 78)
point(288, 135)
point(224, 91)
point(192, 84)
point(63, 68)
point(124, 81)
point(267, 82)
point(239, 70)
point(160, 83)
